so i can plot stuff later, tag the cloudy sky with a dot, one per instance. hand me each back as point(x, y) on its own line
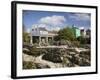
point(55, 20)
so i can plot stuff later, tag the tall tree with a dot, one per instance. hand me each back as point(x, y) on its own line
point(26, 37)
point(66, 34)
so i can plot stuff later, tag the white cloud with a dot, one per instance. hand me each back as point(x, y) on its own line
point(80, 16)
point(53, 28)
point(49, 28)
point(42, 25)
point(53, 20)
point(57, 28)
point(51, 23)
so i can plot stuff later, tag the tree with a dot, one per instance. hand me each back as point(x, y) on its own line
point(84, 40)
point(26, 37)
point(66, 34)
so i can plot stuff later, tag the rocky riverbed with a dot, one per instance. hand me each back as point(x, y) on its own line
point(55, 58)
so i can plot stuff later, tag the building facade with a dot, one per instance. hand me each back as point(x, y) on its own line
point(41, 35)
point(76, 31)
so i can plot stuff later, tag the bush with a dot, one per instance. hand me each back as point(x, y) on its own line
point(83, 62)
point(52, 57)
point(28, 65)
point(26, 37)
point(44, 44)
point(35, 52)
point(66, 33)
point(86, 46)
point(56, 43)
point(76, 43)
point(26, 45)
point(62, 42)
point(35, 45)
point(86, 55)
point(41, 66)
point(84, 40)
point(31, 65)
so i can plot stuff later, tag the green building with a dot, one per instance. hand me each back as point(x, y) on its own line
point(77, 31)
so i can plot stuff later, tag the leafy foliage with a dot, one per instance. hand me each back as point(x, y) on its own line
point(26, 37)
point(66, 34)
point(33, 51)
point(52, 55)
point(29, 65)
point(83, 40)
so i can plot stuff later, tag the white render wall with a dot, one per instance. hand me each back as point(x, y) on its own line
point(39, 33)
point(36, 32)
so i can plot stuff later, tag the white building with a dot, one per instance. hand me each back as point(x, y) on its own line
point(41, 35)
point(83, 31)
